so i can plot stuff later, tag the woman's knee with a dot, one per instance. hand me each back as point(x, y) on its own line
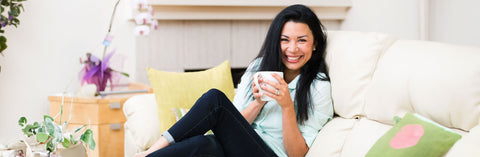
point(215, 91)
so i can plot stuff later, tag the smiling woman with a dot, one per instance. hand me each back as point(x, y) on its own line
point(297, 46)
point(285, 125)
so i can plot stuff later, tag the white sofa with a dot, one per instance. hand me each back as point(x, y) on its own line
point(374, 77)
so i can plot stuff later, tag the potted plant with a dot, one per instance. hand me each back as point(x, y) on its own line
point(51, 135)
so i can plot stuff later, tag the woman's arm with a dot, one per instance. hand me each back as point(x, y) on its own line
point(293, 140)
point(251, 112)
point(254, 108)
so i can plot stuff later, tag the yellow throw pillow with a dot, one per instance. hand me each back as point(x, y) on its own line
point(181, 90)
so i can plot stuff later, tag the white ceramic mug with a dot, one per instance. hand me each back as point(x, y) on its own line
point(266, 75)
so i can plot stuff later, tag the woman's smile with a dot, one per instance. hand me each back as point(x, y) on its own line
point(297, 44)
point(292, 59)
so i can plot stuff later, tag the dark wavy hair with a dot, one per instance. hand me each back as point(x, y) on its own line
point(271, 53)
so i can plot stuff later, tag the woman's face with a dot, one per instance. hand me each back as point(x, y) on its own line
point(297, 44)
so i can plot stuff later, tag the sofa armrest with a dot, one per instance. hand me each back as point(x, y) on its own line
point(142, 125)
point(468, 145)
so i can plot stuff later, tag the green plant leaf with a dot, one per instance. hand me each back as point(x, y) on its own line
point(5, 3)
point(36, 125)
point(51, 146)
point(396, 119)
point(42, 130)
point(50, 126)
point(3, 42)
point(27, 131)
point(87, 137)
point(22, 121)
point(125, 74)
point(80, 128)
point(57, 134)
point(16, 21)
point(45, 117)
point(73, 140)
point(42, 137)
point(66, 143)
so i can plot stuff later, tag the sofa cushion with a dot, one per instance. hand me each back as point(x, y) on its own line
point(414, 135)
point(352, 59)
point(468, 145)
point(438, 81)
point(364, 134)
point(181, 90)
point(141, 127)
point(331, 139)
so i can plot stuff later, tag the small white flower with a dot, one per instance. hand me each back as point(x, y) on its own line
point(154, 25)
point(143, 18)
point(141, 30)
point(139, 4)
point(150, 10)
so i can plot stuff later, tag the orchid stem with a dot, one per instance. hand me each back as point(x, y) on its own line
point(110, 27)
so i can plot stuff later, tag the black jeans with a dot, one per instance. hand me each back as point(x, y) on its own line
point(234, 136)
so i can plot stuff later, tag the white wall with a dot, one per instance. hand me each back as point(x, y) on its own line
point(455, 22)
point(43, 54)
point(396, 17)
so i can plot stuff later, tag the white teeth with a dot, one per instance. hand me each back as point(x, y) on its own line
point(293, 58)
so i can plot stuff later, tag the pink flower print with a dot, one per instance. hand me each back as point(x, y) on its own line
point(407, 137)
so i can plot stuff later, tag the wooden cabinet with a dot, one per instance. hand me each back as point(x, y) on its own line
point(104, 116)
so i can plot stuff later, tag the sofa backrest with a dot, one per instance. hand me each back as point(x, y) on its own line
point(377, 76)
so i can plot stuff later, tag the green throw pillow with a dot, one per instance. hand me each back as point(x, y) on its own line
point(414, 136)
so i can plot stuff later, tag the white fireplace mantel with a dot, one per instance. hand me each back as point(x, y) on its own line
point(243, 9)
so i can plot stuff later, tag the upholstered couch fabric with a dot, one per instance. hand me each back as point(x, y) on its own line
point(375, 77)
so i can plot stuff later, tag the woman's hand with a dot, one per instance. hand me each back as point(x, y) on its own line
point(256, 92)
point(141, 154)
point(283, 98)
point(252, 110)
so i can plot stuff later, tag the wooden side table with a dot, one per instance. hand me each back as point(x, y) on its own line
point(104, 116)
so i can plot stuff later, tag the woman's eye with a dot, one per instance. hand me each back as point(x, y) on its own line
point(283, 39)
point(302, 40)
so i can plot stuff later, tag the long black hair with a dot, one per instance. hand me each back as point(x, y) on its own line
point(271, 53)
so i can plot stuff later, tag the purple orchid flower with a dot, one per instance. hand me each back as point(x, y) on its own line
point(97, 71)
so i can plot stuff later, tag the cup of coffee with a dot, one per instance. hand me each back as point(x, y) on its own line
point(265, 75)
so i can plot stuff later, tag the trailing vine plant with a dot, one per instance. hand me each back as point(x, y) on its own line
point(9, 12)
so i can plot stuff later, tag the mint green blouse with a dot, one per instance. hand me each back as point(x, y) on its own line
point(268, 123)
